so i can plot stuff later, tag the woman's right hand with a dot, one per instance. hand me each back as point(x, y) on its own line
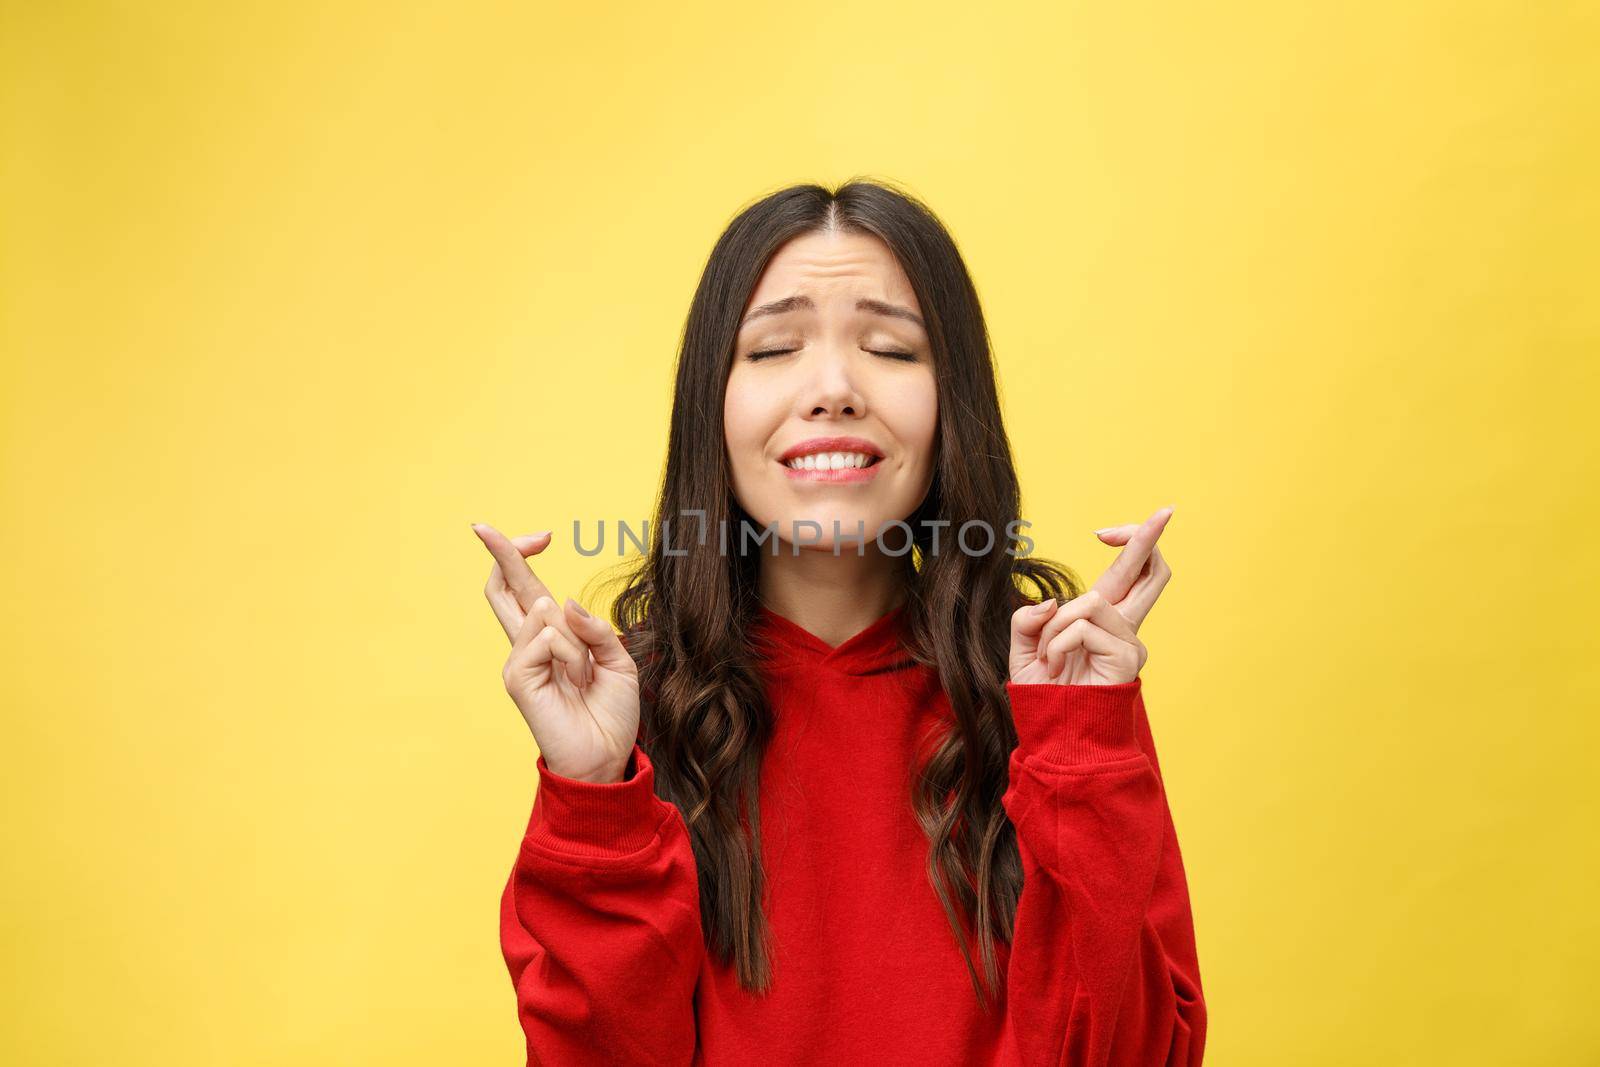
point(568, 673)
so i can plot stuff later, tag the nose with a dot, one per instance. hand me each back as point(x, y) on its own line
point(831, 389)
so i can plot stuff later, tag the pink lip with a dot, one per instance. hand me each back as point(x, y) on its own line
point(844, 474)
point(832, 444)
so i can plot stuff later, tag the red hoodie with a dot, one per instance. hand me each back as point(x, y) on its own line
point(600, 919)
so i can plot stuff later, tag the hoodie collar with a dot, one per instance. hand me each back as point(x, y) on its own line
point(880, 647)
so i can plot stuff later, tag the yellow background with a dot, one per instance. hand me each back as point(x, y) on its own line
point(292, 294)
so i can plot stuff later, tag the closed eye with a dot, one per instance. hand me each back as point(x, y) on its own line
point(908, 357)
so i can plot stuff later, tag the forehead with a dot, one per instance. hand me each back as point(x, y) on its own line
point(833, 265)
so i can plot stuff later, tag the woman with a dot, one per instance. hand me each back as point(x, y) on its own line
point(842, 793)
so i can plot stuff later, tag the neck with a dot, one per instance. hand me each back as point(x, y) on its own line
point(834, 597)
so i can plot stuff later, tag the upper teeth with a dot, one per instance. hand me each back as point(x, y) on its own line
point(824, 461)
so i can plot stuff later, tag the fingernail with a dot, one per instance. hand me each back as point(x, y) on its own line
point(1041, 606)
point(1104, 530)
point(579, 608)
point(540, 533)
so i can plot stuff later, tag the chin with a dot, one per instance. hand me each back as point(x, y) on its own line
point(849, 523)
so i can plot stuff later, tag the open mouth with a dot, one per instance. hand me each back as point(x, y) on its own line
point(832, 461)
point(832, 467)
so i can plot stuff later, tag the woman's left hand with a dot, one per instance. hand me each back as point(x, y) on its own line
point(1093, 639)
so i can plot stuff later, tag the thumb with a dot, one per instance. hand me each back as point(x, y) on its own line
point(600, 637)
point(1026, 624)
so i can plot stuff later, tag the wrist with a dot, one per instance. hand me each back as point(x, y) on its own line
point(606, 774)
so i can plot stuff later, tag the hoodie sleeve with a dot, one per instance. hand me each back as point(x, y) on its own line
point(600, 923)
point(1102, 967)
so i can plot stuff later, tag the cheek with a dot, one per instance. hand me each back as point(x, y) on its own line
point(735, 417)
point(745, 424)
point(912, 412)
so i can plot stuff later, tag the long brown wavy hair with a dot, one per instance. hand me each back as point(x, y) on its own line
point(685, 614)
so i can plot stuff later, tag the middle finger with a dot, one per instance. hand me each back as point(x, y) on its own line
point(1125, 569)
point(519, 577)
point(524, 589)
point(1142, 597)
point(507, 608)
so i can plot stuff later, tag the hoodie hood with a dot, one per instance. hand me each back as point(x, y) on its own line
point(880, 647)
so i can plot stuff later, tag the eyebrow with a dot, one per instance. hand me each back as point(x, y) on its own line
point(796, 303)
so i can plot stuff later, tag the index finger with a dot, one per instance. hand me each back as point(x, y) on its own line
point(519, 576)
point(1125, 569)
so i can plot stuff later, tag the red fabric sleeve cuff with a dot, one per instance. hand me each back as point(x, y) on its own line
point(594, 818)
point(1070, 724)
